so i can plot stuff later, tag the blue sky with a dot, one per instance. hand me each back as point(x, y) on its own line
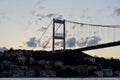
point(21, 20)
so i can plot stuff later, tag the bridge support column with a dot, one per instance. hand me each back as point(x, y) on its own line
point(61, 22)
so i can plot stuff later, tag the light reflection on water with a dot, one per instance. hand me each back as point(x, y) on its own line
point(59, 78)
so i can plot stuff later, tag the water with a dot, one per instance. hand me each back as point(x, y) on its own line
point(59, 79)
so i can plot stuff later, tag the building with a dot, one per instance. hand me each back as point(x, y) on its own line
point(82, 70)
point(59, 63)
point(47, 73)
point(107, 72)
point(91, 59)
point(99, 73)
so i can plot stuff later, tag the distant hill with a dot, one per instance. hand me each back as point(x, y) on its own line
point(3, 49)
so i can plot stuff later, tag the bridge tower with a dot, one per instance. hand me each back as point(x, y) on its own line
point(62, 23)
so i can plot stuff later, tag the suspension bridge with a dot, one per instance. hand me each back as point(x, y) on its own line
point(66, 34)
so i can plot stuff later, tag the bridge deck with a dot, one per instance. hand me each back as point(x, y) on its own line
point(100, 46)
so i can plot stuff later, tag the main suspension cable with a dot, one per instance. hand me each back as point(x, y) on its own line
point(109, 26)
point(42, 34)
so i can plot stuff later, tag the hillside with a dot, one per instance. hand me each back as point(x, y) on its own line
point(68, 56)
point(76, 57)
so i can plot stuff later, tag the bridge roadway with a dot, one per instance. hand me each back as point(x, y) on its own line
point(117, 43)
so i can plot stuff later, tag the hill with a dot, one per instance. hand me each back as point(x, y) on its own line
point(76, 57)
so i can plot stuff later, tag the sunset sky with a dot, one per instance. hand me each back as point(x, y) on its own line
point(22, 21)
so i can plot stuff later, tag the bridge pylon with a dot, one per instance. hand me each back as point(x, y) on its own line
point(62, 23)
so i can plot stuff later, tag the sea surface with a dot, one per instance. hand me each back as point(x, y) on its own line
point(59, 78)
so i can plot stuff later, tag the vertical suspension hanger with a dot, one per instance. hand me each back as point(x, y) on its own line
point(70, 33)
point(81, 29)
point(94, 34)
point(74, 32)
point(106, 35)
point(113, 34)
point(89, 31)
point(80, 33)
point(102, 36)
point(78, 26)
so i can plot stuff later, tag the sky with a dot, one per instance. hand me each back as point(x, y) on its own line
point(23, 21)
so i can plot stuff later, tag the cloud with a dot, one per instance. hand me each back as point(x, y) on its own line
point(86, 17)
point(35, 12)
point(85, 10)
point(20, 46)
point(2, 49)
point(71, 42)
point(83, 14)
point(60, 43)
point(31, 42)
point(93, 40)
point(88, 41)
point(54, 15)
point(38, 4)
point(117, 12)
point(82, 42)
point(50, 15)
point(59, 16)
point(42, 29)
point(40, 17)
point(3, 16)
